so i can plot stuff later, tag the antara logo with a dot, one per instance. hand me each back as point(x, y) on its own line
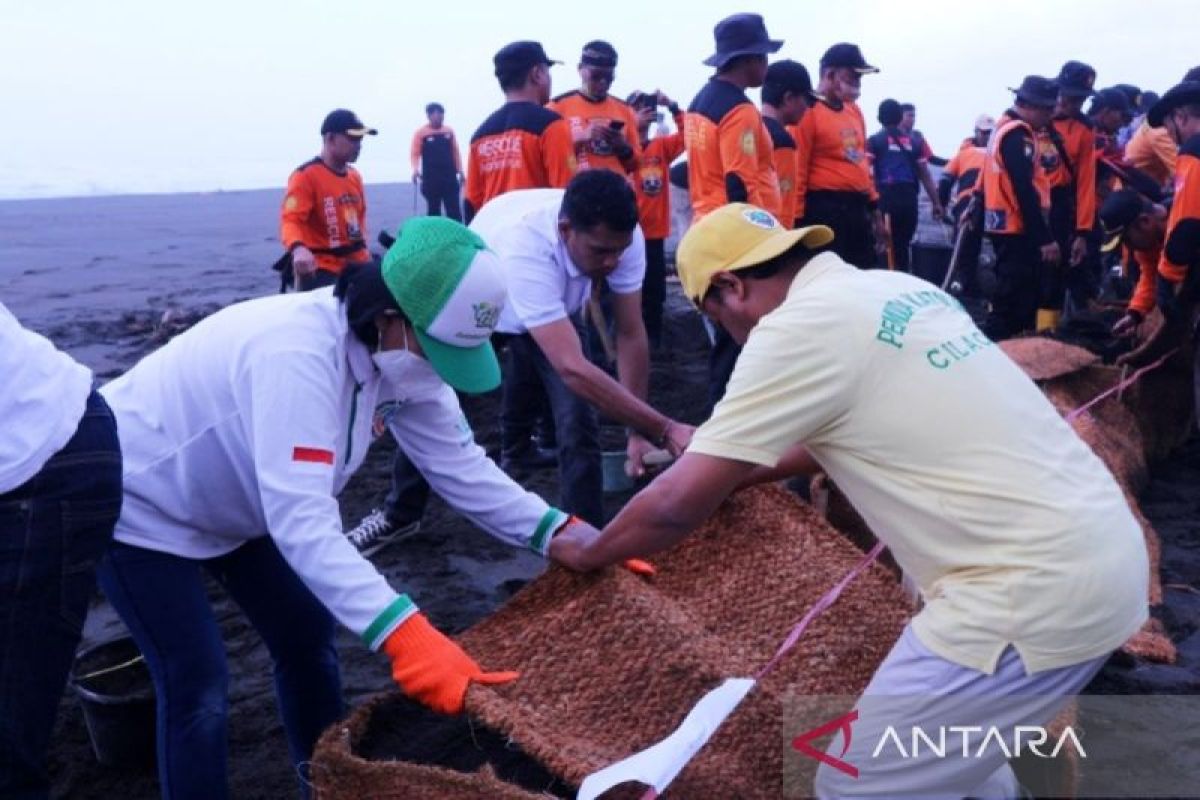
point(967, 741)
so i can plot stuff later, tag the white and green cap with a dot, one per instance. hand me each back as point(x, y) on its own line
point(451, 288)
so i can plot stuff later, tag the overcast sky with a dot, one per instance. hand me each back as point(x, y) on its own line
point(160, 95)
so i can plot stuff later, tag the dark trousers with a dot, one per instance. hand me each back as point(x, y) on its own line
point(899, 202)
point(406, 499)
point(1014, 301)
point(162, 600)
point(721, 361)
point(528, 375)
point(443, 194)
point(849, 215)
point(317, 280)
point(53, 530)
point(654, 289)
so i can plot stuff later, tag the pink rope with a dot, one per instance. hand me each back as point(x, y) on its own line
point(826, 600)
point(1120, 387)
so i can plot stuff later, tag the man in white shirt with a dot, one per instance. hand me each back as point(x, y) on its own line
point(552, 245)
point(60, 494)
point(238, 436)
point(1030, 562)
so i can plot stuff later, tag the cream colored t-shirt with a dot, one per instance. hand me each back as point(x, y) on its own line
point(1014, 530)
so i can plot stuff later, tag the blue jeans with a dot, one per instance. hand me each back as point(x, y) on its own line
point(162, 600)
point(527, 371)
point(53, 530)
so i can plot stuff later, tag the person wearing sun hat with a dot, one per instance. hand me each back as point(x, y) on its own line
point(957, 460)
point(237, 437)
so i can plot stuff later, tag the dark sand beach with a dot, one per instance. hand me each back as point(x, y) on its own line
point(110, 278)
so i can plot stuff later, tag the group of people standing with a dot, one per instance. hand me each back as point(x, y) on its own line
point(222, 453)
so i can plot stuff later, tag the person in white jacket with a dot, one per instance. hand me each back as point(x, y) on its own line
point(60, 494)
point(237, 436)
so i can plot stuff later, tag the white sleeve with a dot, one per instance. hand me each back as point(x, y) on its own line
point(536, 283)
point(289, 402)
point(435, 435)
point(630, 273)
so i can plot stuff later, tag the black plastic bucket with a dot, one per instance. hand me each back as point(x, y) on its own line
point(117, 695)
point(930, 260)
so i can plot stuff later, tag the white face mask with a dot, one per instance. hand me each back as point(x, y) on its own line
point(411, 377)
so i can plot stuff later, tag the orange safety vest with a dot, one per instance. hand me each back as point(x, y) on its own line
point(1001, 213)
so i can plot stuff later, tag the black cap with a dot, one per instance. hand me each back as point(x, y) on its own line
point(847, 55)
point(1192, 75)
point(1117, 213)
point(1076, 79)
point(598, 53)
point(788, 76)
point(518, 57)
point(741, 35)
point(343, 120)
point(1179, 95)
point(1037, 91)
point(1113, 98)
point(890, 113)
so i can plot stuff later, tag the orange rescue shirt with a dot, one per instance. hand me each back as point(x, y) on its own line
point(438, 140)
point(1153, 151)
point(1079, 143)
point(326, 212)
point(520, 146)
point(1143, 299)
point(729, 152)
point(831, 152)
point(652, 183)
point(1002, 210)
point(966, 167)
point(784, 149)
point(581, 112)
point(1181, 247)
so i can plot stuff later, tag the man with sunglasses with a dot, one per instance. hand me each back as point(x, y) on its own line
point(324, 217)
point(604, 128)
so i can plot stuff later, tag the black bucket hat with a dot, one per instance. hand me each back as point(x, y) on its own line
point(1179, 95)
point(1076, 79)
point(1037, 91)
point(741, 35)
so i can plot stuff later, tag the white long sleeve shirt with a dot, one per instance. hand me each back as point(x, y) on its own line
point(43, 394)
point(251, 422)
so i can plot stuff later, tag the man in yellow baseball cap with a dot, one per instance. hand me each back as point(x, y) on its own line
point(1030, 562)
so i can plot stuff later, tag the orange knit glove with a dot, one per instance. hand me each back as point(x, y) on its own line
point(635, 565)
point(432, 669)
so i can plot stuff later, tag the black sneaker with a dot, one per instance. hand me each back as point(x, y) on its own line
point(377, 531)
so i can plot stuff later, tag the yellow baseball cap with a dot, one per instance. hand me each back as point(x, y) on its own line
point(734, 237)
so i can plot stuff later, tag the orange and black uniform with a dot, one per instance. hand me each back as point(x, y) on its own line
point(834, 186)
point(1181, 248)
point(729, 151)
point(1067, 151)
point(961, 176)
point(520, 146)
point(580, 112)
point(652, 185)
point(1016, 200)
point(326, 211)
point(1144, 293)
point(783, 146)
point(434, 154)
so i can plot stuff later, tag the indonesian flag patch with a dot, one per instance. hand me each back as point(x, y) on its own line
point(312, 455)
